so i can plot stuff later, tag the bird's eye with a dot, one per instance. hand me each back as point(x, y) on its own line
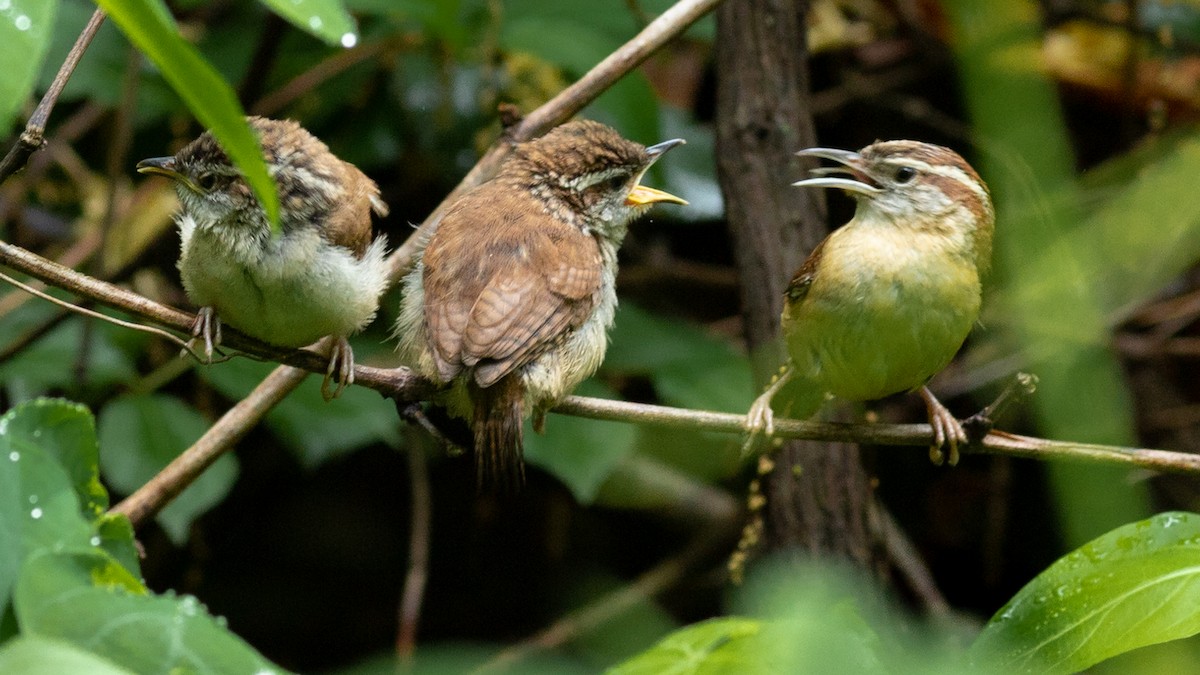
point(206, 181)
point(615, 183)
point(905, 174)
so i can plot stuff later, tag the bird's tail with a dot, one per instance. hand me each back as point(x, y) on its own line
point(499, 430)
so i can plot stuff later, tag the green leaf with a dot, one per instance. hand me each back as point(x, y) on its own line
point(25, 30)
point(1134, 586)
point(714, 646)
point(325, 19)
point(32, 655)
point(140, 435)
point(207, 95)
point(50, 362)
point(39, 501)
point(689, 367)
point(67, 432)
point(582, 453)
point(315, 430)
point(88, 599)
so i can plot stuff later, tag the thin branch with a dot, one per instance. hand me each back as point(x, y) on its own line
point(151, 497)
point(399, 383)
point(33, 137)
point(409, 611)
point(305, 82)
point(282, 381)
point(95, 315)
point(995, 443)
point(909, 563)
point(403, 384)
point(669, 25)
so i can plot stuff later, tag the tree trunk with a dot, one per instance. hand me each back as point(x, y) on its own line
point(763, 118)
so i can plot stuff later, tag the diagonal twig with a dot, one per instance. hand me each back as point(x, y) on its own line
point(566, 104)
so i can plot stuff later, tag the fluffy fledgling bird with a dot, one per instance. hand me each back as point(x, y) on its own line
point(885, 302)
point(321, 276)
point(512, 297)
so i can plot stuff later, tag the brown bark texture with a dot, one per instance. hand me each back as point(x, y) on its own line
point(819, 496)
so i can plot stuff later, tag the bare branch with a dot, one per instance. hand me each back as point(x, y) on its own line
point(33, 137)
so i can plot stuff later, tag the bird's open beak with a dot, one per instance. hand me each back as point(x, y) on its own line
point(165, 166)
point(852, 163)
point(641, 195)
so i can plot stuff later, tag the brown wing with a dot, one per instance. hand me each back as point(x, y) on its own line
point(525, 282)
point(350, 225)
point(798, 287)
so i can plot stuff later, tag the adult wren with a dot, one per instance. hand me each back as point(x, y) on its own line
point(322, 275)
point(885, 302)
point(511, 299)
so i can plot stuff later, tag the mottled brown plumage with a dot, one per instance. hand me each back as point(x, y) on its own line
point(514, 292)
point(322, 275)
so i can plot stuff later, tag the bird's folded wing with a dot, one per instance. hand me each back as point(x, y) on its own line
point(532, 303)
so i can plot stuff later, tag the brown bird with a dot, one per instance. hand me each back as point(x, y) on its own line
point(884, 303)
point(512, 297)
point(321, 276)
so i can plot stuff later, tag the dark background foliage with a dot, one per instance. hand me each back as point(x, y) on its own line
point(301, 537)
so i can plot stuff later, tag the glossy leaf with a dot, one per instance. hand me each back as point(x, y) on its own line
point(88, 599)
point(141, 435)
point(1134, 586)
point(31, 655)
point(325, 19)
point(25, 30)
point(147, 25)
point(39, 501)
point(715, 646)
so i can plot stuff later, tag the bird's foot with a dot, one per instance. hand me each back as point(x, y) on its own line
point(341, 368)
point(948, 432)
point(207, 329)
point(760, 419)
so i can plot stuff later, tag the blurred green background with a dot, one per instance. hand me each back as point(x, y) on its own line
point(1080, 115)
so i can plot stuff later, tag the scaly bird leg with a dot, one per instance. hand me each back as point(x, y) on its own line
point(341, 368)
point(947, 430)
point(206, 327)
point(760, 418)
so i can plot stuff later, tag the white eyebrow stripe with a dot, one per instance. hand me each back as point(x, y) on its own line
point(949, 171)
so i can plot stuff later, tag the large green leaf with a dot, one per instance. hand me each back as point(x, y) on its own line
point(44, 656)
point(49, 491)
point(25, 29)
point(1135, 586)
point(88, 599)
point(326, 19)
point(147, 25)
point(142, 434)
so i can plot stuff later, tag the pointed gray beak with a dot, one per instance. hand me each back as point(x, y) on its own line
point(657, 150)
point(852, 164)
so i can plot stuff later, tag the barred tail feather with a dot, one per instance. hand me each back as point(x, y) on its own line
point(499, 430)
